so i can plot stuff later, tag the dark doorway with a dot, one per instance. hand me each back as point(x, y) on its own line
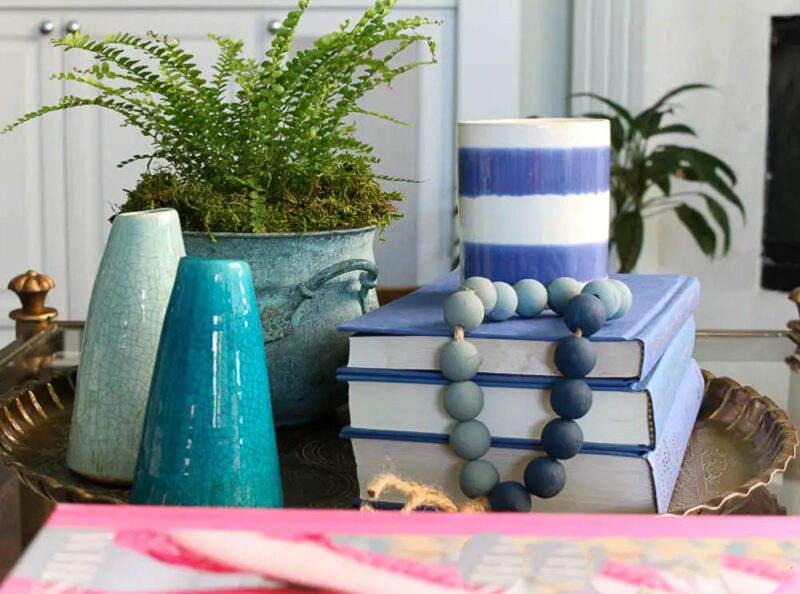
point(780, 268)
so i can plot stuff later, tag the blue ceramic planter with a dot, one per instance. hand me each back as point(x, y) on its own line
point(129, 298)
point(306, 285)
point(208, 436)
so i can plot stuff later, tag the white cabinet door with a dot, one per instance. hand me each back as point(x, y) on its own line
point(417, 246)
point(95, 143)
point(31, 161)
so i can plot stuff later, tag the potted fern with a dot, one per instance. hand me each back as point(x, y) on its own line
point(274, 175)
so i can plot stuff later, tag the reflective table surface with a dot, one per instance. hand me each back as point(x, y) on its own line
point(318, 468)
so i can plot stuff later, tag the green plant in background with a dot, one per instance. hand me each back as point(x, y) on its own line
point(642, 175)
point(257, 146)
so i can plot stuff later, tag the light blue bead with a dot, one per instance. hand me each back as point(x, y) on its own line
point(470, 440)
point(484, 290)
point(463, 309)
point(559, 293)
point(506, 302)
point(477, 478)
point(604, 290)
point(532, 297)
point(463, 400)
point(625, 297)
point(459, 360)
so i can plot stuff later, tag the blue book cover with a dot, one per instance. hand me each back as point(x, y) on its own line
point(660, 387)
point(661, 305)
point(664, 460)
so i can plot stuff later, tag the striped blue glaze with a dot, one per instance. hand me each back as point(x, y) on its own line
point(511, 263)
point(531, 171)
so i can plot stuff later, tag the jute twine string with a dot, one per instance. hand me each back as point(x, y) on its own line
point(419, 496)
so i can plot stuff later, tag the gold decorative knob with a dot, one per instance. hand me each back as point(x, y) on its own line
point(32, 289)
point(794, 296)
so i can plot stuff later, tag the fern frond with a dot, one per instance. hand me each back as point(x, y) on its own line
point(283, 147)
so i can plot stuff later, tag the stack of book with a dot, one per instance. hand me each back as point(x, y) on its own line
point(647, 392)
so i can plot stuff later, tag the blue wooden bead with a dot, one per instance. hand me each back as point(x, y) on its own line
point(545, 477)
point(477, 478)
point(506, 302)
point(606, 292)
point(625, 297)
point(562, 438)
point(560, 291)
point(470, 439)
point(571, 398)
point(585, 312)
point(459, 360)
point(463, 400)
point(463, 309)
point(484, 290)
point(575, 356)
point(532, 297)
point(510, 496)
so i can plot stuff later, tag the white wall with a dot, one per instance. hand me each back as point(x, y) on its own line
point(544, 84)
point(725, 43)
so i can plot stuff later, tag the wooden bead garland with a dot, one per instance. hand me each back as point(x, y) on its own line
point(585, 308)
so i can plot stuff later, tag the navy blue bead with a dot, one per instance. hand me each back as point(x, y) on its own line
point(575, 356)
point(562, 438)
point(545, 477)
point(585, 312)
point(571, 398)
point(509, 496)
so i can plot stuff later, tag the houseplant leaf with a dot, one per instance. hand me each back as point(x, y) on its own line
point(678, 90)
point(697, 225)
point(618, 109)
point(705, 163)
point(647, 122)
point(675, 129)
point(628, 230)
point(721, 217)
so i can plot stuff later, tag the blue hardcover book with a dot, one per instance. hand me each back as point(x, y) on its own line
point(600, 479)
point(408, 333)
point(518, 406)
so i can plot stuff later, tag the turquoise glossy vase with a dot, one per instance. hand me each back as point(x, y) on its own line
point(208, 436)
point(123, 326)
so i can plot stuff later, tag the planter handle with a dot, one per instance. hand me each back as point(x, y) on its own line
point(277, 320)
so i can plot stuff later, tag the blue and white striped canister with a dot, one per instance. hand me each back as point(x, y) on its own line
point(534, 198)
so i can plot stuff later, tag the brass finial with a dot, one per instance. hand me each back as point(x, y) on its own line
point(794, 296)
point(32, 288)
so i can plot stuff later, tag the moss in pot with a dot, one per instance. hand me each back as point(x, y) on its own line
point(261, 161)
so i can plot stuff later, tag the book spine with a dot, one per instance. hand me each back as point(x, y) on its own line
point(667, 322)
point(662, 385)
point(665, 460)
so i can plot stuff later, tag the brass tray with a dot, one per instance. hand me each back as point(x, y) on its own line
point(740, 442)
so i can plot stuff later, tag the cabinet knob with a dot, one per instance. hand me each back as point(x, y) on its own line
point(73, 26)
point(46, 27)
point(31, 288)
point(274, 26)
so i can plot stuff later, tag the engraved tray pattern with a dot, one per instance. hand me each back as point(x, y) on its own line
point(740, 441)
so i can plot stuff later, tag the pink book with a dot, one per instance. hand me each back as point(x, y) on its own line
point(160, 550)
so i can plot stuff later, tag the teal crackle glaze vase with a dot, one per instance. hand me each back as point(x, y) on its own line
point(123, 326)
point(306, 285)
point(208, 437)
